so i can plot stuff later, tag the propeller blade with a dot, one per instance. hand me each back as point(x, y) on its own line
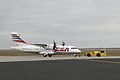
point(54, 45)
point(63, 43)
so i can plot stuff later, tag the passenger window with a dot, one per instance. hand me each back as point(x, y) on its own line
point(73, 48)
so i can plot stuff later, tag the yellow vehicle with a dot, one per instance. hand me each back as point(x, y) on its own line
point(101, 52)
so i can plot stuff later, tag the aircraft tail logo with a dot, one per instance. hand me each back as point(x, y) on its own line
point(16, 38)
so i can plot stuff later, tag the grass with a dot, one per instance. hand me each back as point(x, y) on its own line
point(15, 53)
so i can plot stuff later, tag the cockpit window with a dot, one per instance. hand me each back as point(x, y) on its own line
point(74, 48)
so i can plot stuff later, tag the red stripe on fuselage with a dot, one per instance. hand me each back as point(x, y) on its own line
point(20, 41)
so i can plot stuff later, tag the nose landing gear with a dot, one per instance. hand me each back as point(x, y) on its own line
point(75, 55)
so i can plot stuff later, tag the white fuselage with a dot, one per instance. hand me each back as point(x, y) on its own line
point(67, 49)
point(28, 48)
point(63, 49)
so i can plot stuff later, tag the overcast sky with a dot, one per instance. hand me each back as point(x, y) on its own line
point(83, 23)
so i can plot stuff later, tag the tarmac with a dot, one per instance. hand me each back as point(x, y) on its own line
point(59, 68)
point(41, 58)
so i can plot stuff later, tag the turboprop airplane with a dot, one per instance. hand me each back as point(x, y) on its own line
point(45, 49)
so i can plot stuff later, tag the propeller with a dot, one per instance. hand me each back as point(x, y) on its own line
point(54, 45)
point(63, 43)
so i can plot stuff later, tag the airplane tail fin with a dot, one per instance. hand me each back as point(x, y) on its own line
point(17, 39)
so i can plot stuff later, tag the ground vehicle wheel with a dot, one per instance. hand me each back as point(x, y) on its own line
point(49, 55)
point(88, 55)
point(98, 55)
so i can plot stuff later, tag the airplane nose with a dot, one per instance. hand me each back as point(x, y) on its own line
point(80, 51)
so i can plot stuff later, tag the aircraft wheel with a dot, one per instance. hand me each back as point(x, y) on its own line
point(75, 55)
point(79, 55)
point(49, 55)
point(44, 55)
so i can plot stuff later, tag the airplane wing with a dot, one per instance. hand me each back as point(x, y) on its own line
point(40, 45)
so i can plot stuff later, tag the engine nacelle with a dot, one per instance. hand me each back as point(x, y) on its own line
point(42, 53)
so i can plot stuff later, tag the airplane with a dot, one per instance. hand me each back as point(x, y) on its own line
point(44, 49)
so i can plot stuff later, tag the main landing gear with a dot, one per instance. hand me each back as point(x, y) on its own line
point(45, 55)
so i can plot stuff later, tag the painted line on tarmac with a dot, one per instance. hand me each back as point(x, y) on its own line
point(113, 62)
